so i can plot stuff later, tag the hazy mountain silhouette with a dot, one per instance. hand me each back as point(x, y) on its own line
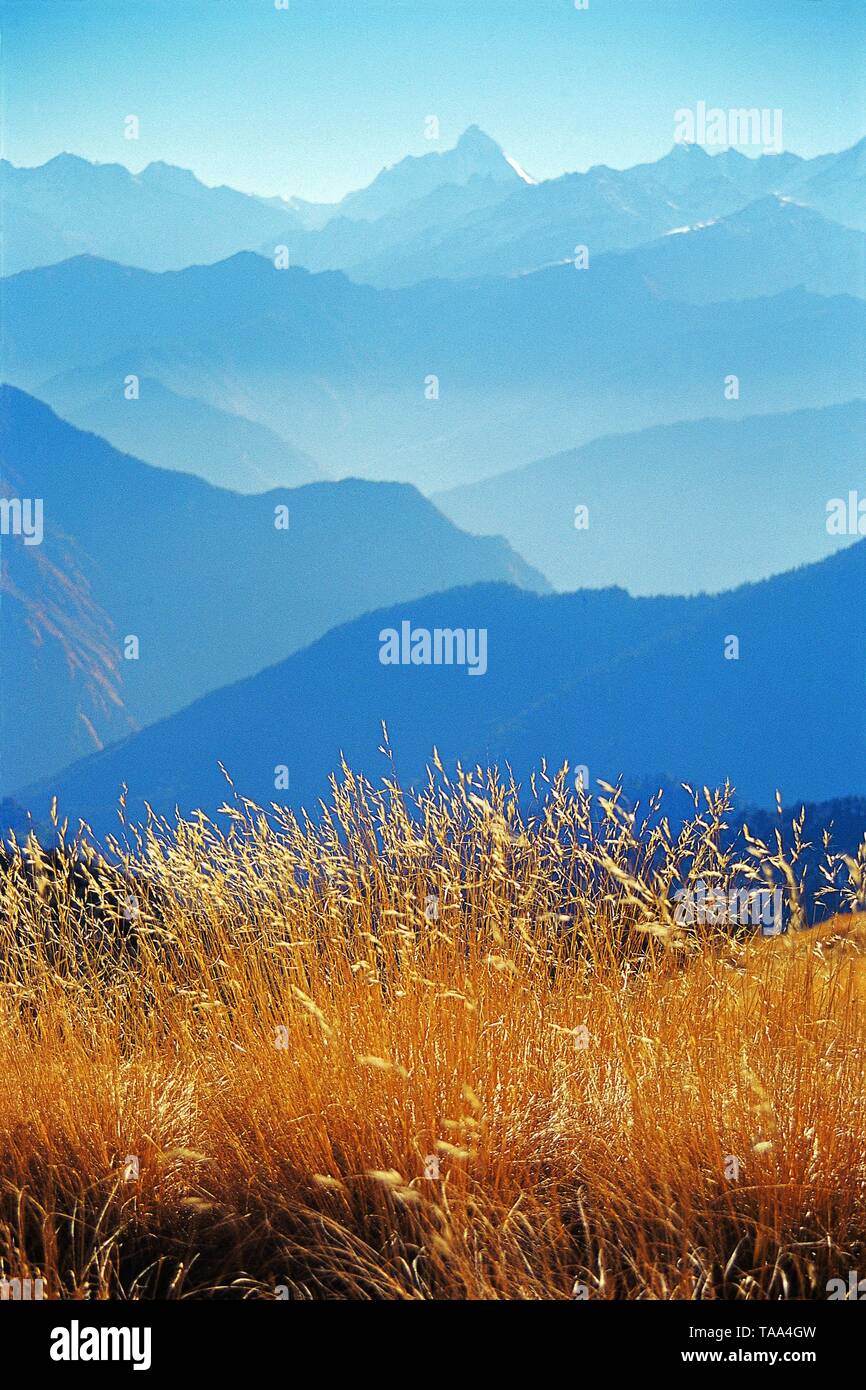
point(202, 577)
point(766, 246)
point(475, 155)
point(699, 505)
point(162, 218)
point(363, 249)
point(525, 367)
point(172, 431)
point(418, 195)
point(613, 210)
point(437, 181)
point(462, 212)
point(165, 218)
point(835, 185)
point(769, 246)
point(617, 684)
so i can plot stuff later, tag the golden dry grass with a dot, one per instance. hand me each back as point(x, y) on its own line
point(309, 1017)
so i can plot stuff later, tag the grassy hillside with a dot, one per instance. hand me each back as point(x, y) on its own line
point(427, 1050)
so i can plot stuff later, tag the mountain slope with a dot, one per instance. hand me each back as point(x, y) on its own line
point(616, 210)
point(620, 685)
point(167, 430)
point(704, 504)
point(61, 679)
point(474, 156)
point(358, 247)
point(836, 186)
point(767, 247)
point(787, 715)
point(203, 578)
point(162, 218)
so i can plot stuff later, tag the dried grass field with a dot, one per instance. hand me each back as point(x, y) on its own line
point(426, 1049)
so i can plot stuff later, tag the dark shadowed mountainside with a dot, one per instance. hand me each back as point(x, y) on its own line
point(203, 578)
point(622, 686)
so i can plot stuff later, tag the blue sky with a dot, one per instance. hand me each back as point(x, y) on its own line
point(316, 99)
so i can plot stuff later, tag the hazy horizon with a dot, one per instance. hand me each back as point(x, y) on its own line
point(341, 93)
point(136, 168)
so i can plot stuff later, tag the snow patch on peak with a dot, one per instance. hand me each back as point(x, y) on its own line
point(693, 227)
point(520, 171)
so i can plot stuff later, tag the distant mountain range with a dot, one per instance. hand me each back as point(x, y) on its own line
point(676, 509)
point(616, 684)
point(761, 248)
point(460, 213)
point(164, 218)
point(603, 209)
point(769, 246)
point(439, 384)
point(202, 577)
